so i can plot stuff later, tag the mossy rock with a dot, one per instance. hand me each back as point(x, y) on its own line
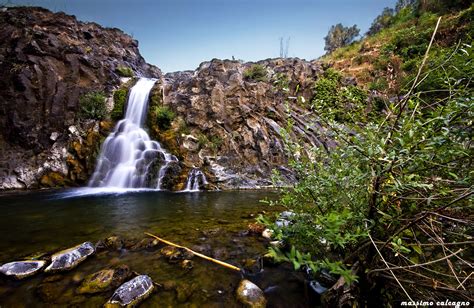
point(104, 280)
point(124, 71)
point(120, 100)
point(53, 179)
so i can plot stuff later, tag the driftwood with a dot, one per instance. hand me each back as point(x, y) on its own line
point(235, 268)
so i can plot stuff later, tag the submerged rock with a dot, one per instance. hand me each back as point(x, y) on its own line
point(251, 295)
point(104, 280)
point(256, 228)
point(132, 292)
point(145, 243)
point(174, 254)
point(22, 269)
point(110, 243)
point(186, 264)
point(70, 258)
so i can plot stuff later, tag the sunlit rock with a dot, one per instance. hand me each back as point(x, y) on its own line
point(132, 292)
point(68, 259)
point(22, 269)
point(251, 295)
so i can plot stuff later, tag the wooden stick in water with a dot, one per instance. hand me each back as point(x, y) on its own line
point(235, 268)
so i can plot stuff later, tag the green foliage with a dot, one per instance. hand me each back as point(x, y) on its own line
point(256, 72)
point(215, 143)
point(164, 116)
point(281, 82)
point(378, 85)
point(120, 98)
point(390, 178)
point(92, 106)
point(340, 36)
point(203, 141)
point(333, 101)
point(124, 71)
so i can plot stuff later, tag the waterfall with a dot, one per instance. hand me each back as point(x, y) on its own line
point(128, 153)
point(196, 179)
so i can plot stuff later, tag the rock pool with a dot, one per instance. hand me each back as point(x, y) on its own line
point(35, 224)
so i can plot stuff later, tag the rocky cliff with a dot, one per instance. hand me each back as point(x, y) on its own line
point(230, 116)
point(225, 118)
point(48, 60)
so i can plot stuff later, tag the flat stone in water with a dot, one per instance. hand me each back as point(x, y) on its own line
point(22, 269)
point(70, 258)
point(132, 292)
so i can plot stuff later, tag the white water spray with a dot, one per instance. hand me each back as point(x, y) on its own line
point(196, 179)
point(128, 152)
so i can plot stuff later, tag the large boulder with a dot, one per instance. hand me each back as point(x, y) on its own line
point(22, 269)
point(132, 292)
point(70, 258)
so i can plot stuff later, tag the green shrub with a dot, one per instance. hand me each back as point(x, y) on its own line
point(92, 106)
point(164, 116)
point(397, 183)
point(124, 71)
point(120, 98)
point(379, 84)
point(203, 141)
point(256, 72)
point(215, 143)
point(325, 92)
point(332, 75)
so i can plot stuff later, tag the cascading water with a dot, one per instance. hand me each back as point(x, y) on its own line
point(128, 152)
point(196, 179)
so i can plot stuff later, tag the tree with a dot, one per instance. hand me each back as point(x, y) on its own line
point(339, 36)
point(382, 21)
point(401, 4)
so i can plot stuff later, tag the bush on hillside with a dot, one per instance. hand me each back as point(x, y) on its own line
point(92, 106)
point(124, 71)
point(256, 72)
point(164, 116)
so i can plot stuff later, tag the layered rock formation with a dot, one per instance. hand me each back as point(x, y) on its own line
point(48, 60)
point(227, 122)
point(229, 125)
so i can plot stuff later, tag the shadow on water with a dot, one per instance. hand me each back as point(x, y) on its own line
point(211, 222)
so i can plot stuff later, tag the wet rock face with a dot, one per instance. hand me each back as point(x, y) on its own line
point(233, 123)
point(68, 259)
point(22, 269)
point(251, 295)
point(48, 60)
point(132, 292)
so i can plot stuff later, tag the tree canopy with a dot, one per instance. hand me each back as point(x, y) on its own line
point(339, 36)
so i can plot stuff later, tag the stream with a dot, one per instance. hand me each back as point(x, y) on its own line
point(214, 223)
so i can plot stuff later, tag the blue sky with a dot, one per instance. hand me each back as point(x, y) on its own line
point(180, 34)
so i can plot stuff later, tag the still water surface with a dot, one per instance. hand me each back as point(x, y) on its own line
point(214, 222)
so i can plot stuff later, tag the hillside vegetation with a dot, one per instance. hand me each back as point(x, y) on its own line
point(388, 209)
